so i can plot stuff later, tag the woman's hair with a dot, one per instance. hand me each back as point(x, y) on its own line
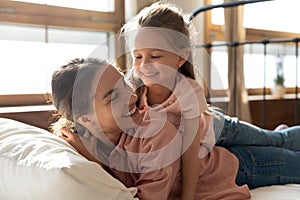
point(74, 80)
point(166, 16)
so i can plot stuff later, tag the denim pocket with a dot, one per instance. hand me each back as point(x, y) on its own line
point(266, 165)
point(265, 156)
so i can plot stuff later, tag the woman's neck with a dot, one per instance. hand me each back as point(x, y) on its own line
point(110, 139)
point(113, 137)
point(157, 94)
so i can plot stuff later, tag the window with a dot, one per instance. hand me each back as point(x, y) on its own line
point(38, 36)
point(281, 15)
point(256, 65)
point(280, 22)
point(29, 58)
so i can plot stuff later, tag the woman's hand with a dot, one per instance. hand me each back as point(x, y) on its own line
point(74, 140)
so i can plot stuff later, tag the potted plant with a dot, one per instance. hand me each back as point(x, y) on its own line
point(279, 89)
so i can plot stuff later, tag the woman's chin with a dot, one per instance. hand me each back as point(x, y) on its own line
point(137, 117)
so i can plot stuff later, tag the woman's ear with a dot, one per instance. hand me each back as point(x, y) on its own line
point(183, 56)
point(85, 120)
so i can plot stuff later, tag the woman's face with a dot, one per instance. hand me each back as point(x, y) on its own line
point(114, 103)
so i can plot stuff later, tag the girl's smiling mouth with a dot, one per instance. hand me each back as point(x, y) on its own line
point(148, 74)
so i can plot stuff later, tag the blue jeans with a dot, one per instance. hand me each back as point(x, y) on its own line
point(266, 165)
point(232, 132)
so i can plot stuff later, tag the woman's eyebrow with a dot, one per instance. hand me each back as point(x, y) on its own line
point(108, 93)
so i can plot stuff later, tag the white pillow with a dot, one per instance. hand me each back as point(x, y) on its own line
point(34, 164)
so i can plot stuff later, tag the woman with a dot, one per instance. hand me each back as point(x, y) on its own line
point(139, 148)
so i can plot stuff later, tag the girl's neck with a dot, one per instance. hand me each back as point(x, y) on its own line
point(157, 94)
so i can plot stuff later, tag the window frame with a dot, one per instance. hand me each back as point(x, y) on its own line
point(23, 13)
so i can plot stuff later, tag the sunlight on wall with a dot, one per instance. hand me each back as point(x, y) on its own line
point(105, 5)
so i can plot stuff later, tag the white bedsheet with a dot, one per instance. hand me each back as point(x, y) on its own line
point(277, 192)
point(47, 167)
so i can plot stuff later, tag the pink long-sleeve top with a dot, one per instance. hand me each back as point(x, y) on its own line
point(151, 162)
point(218, 167)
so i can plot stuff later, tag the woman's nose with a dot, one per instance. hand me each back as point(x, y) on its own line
point(132, 98)
point(128, 94)
point(129, 99)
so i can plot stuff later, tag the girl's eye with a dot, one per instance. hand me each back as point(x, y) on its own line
point(156, 56)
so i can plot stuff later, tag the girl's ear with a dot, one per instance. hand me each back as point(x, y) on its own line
point(183, 57)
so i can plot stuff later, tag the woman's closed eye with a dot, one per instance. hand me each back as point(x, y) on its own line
point(110, 97)
point(113, 96)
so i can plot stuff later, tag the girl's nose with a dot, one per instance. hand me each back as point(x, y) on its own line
point(146, 67)
point(146, 63)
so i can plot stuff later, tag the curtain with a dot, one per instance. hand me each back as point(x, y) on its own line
point(234, 31)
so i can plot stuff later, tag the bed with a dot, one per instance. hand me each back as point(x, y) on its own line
point(35, 164)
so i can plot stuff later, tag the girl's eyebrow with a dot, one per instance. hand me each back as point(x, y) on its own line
point(108, 93)
point(136, 50)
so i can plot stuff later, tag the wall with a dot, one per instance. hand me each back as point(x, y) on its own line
point(278, 111)
point(36, 118)
point(133, 6)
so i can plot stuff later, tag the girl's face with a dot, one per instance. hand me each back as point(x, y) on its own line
point(154, 59)
point(115, 103)
point(155, 66)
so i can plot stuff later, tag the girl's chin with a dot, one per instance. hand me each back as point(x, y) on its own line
point(149, 81)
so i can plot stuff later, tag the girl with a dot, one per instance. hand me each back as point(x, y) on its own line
point(159, 41)
point(140, 151)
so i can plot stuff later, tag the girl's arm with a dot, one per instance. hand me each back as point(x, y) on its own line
point(190, 158)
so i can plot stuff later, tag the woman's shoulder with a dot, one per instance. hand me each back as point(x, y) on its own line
point(156, 124)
